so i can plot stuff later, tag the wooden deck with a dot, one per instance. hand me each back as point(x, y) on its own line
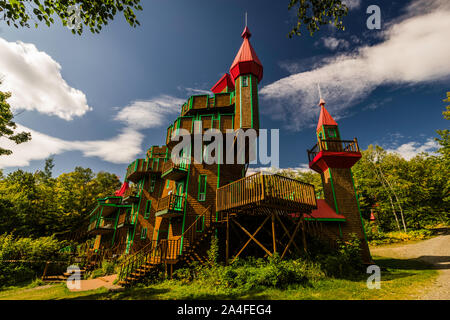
point(333, 146)
point(264, 194)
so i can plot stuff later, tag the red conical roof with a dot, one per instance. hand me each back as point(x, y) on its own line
point(246, 60)
point(325, 118)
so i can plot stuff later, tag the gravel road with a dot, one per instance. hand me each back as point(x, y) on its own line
point(435, 251)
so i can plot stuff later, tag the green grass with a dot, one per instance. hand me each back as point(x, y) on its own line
point(401, 279)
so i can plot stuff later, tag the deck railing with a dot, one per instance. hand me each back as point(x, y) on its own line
point(172, 202)
point(334, 146)
point(182, 165)
point(273, 188)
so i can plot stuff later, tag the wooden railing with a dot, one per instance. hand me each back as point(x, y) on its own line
point(334, 146)
point(183, 165)
point(260, 187)
point(158, 252)
point(172, 202)
point(191, 234)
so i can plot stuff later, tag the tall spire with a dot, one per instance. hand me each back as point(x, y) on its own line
point(325, 118)
point(246, 60)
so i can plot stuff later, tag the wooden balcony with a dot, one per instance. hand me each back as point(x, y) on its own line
point(204, 103)
point(101, 226)
point(124, 221)
point(265, 193)
point(170, 206)
point(140, 167)
point(175, 171)
point(333, 154)
point(136, 170)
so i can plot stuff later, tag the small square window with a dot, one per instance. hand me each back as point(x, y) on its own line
point(144, 233)
point(245, 81)
point(332, 133)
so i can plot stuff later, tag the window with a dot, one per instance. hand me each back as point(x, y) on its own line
point(245, 81)
point(148, 208)
point(200, 224)
point(144, 233)
point(152, 183)
point(202, 187)
point(332, 133)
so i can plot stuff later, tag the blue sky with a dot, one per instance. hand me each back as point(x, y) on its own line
point(101, 100)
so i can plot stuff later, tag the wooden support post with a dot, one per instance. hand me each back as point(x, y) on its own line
point(305, 247)
point(273, 234)
point(252, 237)
point(45, 270)
point(286, 231)
point(227, 248)
point(292, 238)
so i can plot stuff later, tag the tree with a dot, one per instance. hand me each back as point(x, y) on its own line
point(7, 126)
point(444, 139)
point(315, 13)
point(94, 14)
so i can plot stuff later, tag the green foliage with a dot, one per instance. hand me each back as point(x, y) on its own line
point(7, 126)
point(94, 14)
point(38, 205)
point(30, 256)
point(213, 252)
point(315, 13)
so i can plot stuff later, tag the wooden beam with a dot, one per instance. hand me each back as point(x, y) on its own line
point(302, 219)
point(227, 248)
point(274, 239)
point(252, 237)
point(292, 238)
point(286, 232)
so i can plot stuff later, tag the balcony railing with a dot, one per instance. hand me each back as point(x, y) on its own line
point(258, 191)
point(175, 171)
point(102, 224)
point(333, 146)
point(173, 203)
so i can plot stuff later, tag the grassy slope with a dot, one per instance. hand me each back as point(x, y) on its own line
point(401, 279)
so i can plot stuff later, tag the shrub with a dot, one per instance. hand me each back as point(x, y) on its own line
point(31, 255)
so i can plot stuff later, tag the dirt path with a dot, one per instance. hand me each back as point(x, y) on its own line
point(97, 283)
point(435, 251)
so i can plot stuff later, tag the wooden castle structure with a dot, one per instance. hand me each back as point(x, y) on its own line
point(173, 208)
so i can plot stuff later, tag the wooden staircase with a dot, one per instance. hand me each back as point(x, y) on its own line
point(141, 263)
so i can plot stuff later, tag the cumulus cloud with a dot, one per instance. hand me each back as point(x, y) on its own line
point(352, 4)
point(414, 49)
point(334, 43)
point(411, 149)
point(121, 149)
point(145, 114)
point(35, 81)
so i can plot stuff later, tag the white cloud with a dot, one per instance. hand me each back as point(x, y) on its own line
point(335, 44)
point(352, 4)
point(121, 149)
point(415, 49)
point(411, 149)
point(35, 81)
point(144, 114)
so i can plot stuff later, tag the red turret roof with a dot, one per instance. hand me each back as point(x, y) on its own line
point(325, 118)
point(246, 60)
point(223, 82)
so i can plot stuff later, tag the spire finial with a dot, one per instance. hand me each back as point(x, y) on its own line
point(321, 101)
point(246, 18)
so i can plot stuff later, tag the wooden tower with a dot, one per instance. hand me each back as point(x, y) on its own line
point(333, 158)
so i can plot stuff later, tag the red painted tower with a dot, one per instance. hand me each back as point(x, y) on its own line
point(333, 159)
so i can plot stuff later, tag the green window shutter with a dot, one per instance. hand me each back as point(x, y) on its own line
point(168, 183)
point(148, 207)
point(144, 233)
point(202, 187)
point(200, 224)
point(152, 183)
